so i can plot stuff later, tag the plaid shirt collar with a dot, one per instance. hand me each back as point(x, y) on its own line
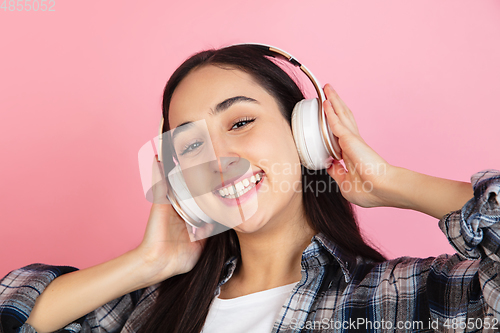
point(320, 252)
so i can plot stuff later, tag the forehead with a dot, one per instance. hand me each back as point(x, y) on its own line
point(203, 88)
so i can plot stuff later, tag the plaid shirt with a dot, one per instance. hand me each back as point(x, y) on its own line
point(338, 292)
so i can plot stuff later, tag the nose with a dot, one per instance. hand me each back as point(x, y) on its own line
point(224, 163)
point(226, 157)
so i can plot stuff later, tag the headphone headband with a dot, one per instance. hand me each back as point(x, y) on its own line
point(293, 61)
point(317, 86)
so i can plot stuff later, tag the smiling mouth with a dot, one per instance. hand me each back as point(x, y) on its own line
point(241, 187)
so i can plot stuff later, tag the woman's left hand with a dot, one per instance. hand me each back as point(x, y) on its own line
point(367, 173)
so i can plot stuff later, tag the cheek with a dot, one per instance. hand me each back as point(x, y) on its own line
point(284, 146)
point(276, 153)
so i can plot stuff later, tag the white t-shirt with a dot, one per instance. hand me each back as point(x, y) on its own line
point(250, 313)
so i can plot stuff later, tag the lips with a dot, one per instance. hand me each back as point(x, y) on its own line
point(235, 180)
point(242, 197)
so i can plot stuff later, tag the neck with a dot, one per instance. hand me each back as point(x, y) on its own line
point(271, 256)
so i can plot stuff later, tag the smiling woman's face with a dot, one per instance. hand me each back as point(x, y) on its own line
point(245, 135)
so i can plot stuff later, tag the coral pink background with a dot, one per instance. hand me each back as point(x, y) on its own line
point(80, 92)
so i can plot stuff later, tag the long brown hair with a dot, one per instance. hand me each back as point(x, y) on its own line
point(184, 300)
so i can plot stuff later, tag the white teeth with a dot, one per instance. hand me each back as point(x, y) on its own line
point(239, 186)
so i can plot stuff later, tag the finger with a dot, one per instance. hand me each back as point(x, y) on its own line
point(350, 115)
point(334, 95)
point(341, 109)
point(337, 127)
point(344, 105)
point(334, 98)
point(337, 172)
point(346, 108)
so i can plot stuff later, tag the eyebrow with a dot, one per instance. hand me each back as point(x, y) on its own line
point(221, 107)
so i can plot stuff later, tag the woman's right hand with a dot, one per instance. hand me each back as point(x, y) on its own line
point(166, 250)
point(169, 247)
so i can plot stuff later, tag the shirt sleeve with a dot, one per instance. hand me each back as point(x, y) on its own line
point(448, 293)
point(20, 288)
point(474, 232)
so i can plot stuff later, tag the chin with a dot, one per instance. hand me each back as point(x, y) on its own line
point(253, 225)
point(249, 226)
point(244, 228)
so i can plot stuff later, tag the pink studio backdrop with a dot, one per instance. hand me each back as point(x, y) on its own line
point(80, 92)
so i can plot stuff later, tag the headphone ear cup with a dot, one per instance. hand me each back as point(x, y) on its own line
point(307, 135)
point(183, 202)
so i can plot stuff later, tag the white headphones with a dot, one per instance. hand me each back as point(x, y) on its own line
point(313, 138)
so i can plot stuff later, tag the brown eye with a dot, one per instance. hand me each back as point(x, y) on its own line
point(242, 122)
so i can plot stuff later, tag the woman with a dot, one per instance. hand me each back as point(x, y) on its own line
point(300, 258)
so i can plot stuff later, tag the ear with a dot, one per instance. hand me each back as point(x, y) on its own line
point(175, 160)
